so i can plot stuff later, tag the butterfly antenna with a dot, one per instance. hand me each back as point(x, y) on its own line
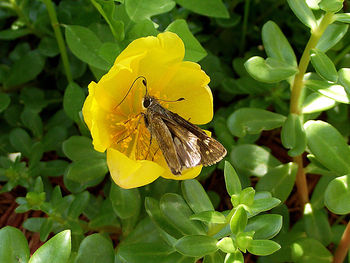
point(179, 99)
point(144, 81)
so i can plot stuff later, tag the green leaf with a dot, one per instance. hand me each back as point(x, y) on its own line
point(73, 101)
point(193, 49)
point(48, 47)
point(331, 36)
point(238, 220)
point(5, 101)
point(11, 34)
point(328, 145)
point(233, 184)
point(344, 78)
point(154, 212)
point(316, 102)
point(246, 196)
point(279, 181)
point(309, 250)
point(293, 135)
point(216, 257)
point(235, 257)
point(95, 248)
point(195, 196)
point(21, 141)
point(317, 198)
point(126, 202)
point(317, 225)
point(211, 8)
point(263, 202)
point(79, 148)
point(32, 121)
point(178, 213)
point(243, 240)
point(33, 98)
point(196, 245)
point(78, 205)
point(85, 45)
point(14, 246)
point(46, 228)
point(265, 226)
point(323, 65)
point(227, 245)
point(337, 195)
point(303, 12)
point(56, 250)
point(108, 10)
point(141, 10)
point(213, 217)
point(252, 121)
point(276, 44)
point(263, 247)
point(25, 69)
point(333, 91)
point(86, 170)
point(344, 17)
point(331, 5)
point(109, 51)
point(54, 138)
point(252, 160)
point(269, 70)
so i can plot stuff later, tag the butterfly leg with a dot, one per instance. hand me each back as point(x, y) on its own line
point(137, 125)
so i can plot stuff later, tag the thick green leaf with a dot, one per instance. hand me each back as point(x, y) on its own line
point(196, 245)
point(276, 44)
point(337, 195)
point(216, 257)
point(309, 250)
point(32, 121)
point(235, 257)
point(25, 69)
point(252, 121)
point(175, 209)
point(328, 145)
point(209, 217)
point(238, 220)
point(316, 102)
point(78, 205)
point(95, 248)
point(108, 10)
point(227, 245)
point(233, 184)
point(4, 101)
point(212, 8)
point(332, 91)
point(332, 35)
point(21, 141)
point(10, 34)
point(263, 202)
point(252, 160)
point(73, 101)
point(317, 225)
point(344, 78)
point(303, 12)
point(56, 250)
point(79, 148)
point(48, 47)
point(126, 202)
point(279, 181)
point(195, 196)
point(263, 247)
point(193, 49)
point(331, 5)
point(141, 10)
point(14, 246)
point(269, 70)
point(317, 198)
point(85, 45)
point(86, 170)
point(265, 226)
point(33, 98)
point(323, 65)
point(293, 135)
point(344, 17)
point(156, 215)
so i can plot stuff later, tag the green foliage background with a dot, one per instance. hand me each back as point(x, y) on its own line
point(256, 53)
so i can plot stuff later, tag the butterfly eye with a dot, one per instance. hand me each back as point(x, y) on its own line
point(146, 102)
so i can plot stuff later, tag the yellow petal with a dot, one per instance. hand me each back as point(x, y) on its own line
point(191, 83)
point(128, 173)
point(186, 174)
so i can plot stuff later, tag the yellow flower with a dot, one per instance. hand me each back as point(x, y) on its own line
point(120, 129)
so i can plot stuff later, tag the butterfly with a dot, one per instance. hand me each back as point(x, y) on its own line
point(183, 144)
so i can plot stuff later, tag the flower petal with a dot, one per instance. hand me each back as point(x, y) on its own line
point(128, 173)
point(191, 83)
point(187, 174)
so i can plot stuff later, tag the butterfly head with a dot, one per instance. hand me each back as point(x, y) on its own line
point(147, 101)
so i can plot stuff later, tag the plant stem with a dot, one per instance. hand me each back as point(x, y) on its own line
point(295, 102)
point(343, 246)
point(245, 25)
point(59, 38)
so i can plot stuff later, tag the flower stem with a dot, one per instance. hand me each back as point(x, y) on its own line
point(59, 38)
point(295, 102)
point(343, 246)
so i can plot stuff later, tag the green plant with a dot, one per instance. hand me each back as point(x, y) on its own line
point(284, 122)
